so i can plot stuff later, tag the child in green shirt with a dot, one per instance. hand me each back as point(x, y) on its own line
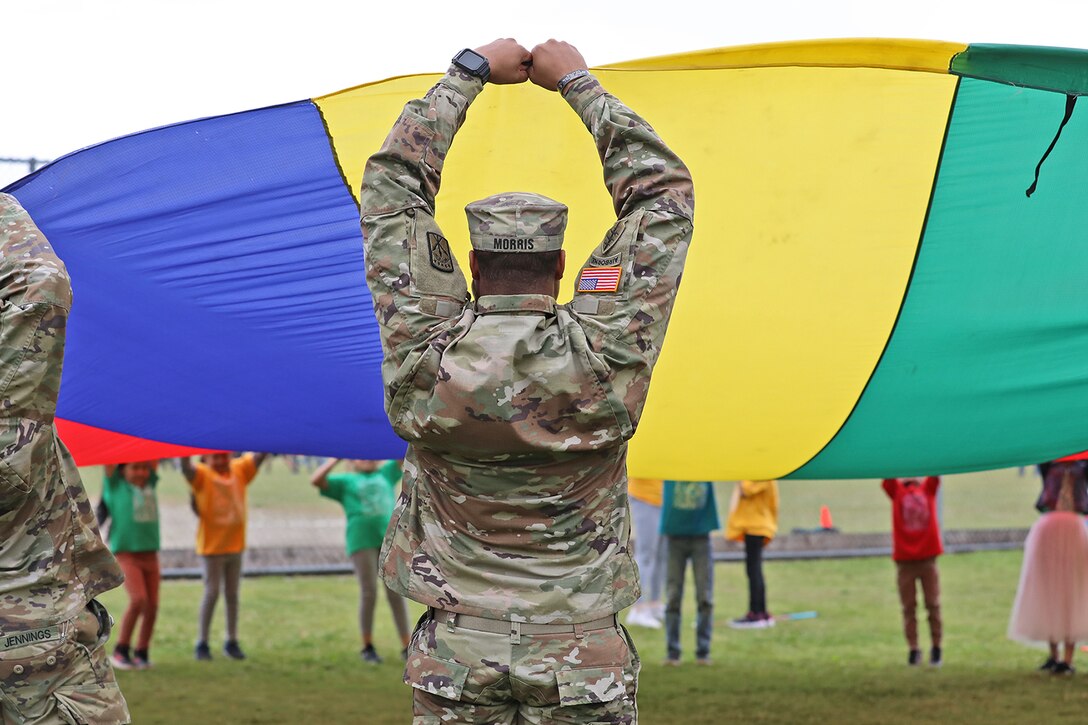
point(367, 493)
point(130, 500)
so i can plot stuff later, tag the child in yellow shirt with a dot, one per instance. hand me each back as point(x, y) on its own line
point(753, 519)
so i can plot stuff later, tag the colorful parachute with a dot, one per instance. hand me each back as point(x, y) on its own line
point(870, 291)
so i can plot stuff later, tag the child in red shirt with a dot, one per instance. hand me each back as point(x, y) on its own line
point(917, 544)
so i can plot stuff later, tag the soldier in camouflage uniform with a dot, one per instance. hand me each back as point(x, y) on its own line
point(513, 523)
point(53, 665)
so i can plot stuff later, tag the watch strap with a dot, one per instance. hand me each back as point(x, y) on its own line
point(572, 76)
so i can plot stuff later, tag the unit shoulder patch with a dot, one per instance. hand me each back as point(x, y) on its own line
point(439, 249)
point(610, 238)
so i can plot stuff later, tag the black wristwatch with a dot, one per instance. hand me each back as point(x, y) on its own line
point(473, 63)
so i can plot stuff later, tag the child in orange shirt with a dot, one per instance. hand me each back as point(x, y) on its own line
point(219, 486)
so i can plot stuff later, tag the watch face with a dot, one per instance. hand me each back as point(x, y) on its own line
point(471, 61)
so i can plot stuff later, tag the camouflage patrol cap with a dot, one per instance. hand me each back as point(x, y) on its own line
point(516, 222)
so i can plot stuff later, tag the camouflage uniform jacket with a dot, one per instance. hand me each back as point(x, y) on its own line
point(52, 560)
point(517, 410)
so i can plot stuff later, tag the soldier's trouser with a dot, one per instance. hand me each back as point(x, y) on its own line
point(60, 674)
point(472, 676)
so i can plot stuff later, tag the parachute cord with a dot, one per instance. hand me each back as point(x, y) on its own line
point(1070, 101)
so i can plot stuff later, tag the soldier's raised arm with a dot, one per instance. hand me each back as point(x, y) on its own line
point(414, 279)
point(36, 296)
point(625, 291)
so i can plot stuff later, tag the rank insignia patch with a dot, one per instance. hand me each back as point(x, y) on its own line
point(599, 279)
point(439, 248)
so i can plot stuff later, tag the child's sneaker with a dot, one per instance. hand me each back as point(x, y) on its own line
point(641, 616)
point(935, 657)
point(1049, 665)
point(121, 659)
point(201, 652)
point(914, 658)
point(752, 620)
point(1063, 670)
point(232, 649)
point(370, 656)
point(141, 660)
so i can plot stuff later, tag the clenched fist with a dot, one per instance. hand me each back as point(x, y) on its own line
point(509, 61)
point(553, 60)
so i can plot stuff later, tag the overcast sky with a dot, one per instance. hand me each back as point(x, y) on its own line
point(79, 72)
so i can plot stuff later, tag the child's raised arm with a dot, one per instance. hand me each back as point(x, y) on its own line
point(187, 468)
point(320, 477)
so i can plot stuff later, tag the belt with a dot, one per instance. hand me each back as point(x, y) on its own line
point(454, 620)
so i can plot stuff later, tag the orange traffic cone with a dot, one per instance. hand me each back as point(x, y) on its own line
point(825, 518)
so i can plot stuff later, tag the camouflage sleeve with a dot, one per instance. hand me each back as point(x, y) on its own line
point(416, 284)
point(653, 196)
point(35, 297)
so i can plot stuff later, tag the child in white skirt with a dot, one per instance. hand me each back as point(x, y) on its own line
point(1052, 599)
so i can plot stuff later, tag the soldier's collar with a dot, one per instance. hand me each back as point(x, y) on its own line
point(515, 303)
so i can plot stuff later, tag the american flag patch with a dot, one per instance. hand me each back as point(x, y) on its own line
point(599, 279)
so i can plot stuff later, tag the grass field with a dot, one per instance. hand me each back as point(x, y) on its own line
point(846, 666)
